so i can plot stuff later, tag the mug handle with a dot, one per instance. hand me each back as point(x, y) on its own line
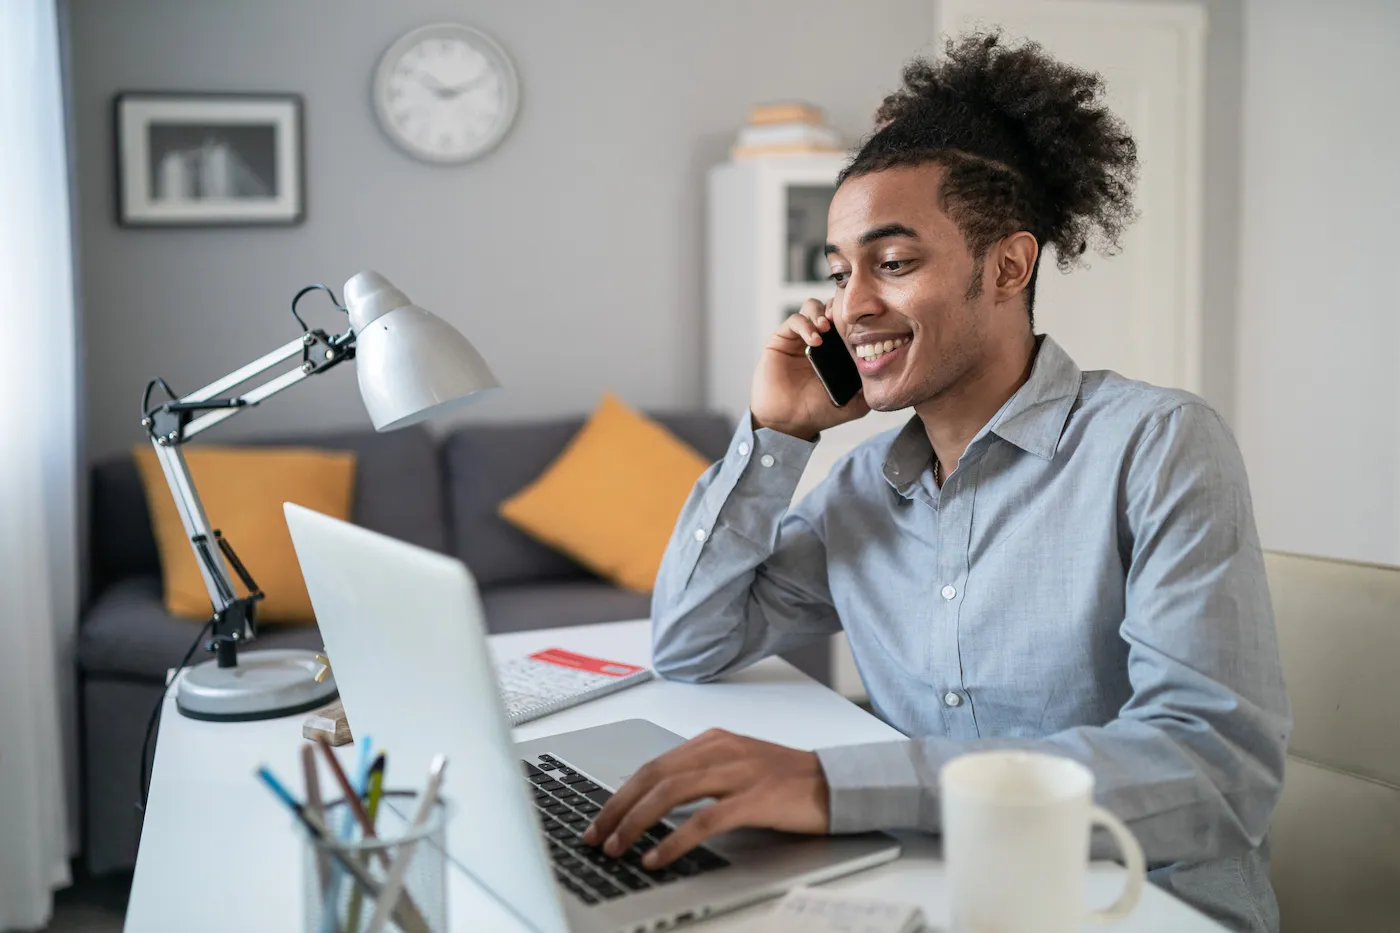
point(1136, 868)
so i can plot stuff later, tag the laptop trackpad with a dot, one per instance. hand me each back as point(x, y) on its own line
point(611, 753)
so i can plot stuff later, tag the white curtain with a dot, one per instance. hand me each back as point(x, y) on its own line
point(38, 466)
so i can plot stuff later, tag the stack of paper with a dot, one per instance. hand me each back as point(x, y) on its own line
point(807, 910)
point(785, 129)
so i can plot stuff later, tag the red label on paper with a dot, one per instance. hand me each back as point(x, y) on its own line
point(583, 662)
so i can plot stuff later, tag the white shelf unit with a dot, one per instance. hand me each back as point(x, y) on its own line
point(749, 290)
point(758, 210)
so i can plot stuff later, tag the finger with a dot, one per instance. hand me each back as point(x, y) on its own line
point(718, 817)
point(816, 311)
point(805, 327)
point(678, 759)
point(672, 792)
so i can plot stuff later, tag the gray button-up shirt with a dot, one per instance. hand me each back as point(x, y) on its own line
point(1088, 582)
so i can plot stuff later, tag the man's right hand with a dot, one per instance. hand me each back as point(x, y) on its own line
point(787, 396)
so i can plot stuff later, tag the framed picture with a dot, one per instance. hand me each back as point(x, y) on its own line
point(197, 160)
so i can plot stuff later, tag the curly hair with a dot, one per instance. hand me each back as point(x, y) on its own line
point(1026, 144)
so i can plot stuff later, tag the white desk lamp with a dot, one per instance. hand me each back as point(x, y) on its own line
point(411, 365)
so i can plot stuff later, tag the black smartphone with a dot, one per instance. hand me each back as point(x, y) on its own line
point(835, 368)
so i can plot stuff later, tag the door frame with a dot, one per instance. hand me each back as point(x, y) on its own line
point(1188, 21)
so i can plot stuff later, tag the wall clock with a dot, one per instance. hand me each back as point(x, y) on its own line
point(445, 93)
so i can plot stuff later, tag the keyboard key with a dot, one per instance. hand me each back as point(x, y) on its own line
point(557, 809)
point(585, 806)
point(573, 842)
point(540, 778)
point(565, 769)
point(572, 800)
point(632, 882)
point(589, 877)
point(574, 819)
point(659, 831)
point(541, 796)
point(562, 832)
point(610, 891)
point(530, 769)
point(547, 758)
point(599, 796)
point(571, 777)
point(547, 766)
point(584, 787)
point(548, 783)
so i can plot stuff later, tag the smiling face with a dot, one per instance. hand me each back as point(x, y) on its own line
point(919, 312)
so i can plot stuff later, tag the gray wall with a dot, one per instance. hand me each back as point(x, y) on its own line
point(1319, 394)
point(571, 255)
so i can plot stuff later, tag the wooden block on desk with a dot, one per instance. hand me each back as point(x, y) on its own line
point(328, 722)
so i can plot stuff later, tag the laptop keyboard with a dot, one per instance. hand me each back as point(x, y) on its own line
point(566, 802)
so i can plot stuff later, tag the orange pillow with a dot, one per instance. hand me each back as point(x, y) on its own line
point(243, 489)
point(611, 499)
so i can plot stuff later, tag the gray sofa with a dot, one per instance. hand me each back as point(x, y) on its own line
point(440, 494)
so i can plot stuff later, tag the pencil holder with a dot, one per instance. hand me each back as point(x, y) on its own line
point(346, 877)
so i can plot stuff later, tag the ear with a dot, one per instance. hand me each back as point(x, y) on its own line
point(1015, 260)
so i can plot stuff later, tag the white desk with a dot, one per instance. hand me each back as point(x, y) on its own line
point(218, 853)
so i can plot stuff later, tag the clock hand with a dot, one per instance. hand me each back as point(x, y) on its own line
point(435, 86)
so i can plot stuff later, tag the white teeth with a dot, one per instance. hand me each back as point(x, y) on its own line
point(873, 351)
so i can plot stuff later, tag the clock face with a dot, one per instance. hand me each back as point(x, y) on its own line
point(445, 93)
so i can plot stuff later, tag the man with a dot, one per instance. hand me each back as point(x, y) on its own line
point(1043, 558)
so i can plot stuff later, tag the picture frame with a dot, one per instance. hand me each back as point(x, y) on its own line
point(209, 159)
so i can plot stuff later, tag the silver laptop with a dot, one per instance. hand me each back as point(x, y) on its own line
point(404, 629)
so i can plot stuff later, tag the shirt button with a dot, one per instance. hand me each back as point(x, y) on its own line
point(948, 593)
point(700, 534)
point(743, 449)
point(952, 699)
point(766, 460)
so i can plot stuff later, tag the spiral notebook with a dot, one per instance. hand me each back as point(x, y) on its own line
point(554, 679)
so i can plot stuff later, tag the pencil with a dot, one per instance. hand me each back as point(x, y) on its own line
point(376, 791)
point(352, 799)
point(316, 809)
point(393, 884)
point(410, 922)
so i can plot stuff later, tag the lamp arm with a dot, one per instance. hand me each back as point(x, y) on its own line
point(177, 420)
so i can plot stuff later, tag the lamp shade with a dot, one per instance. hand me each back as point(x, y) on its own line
point(412, 365)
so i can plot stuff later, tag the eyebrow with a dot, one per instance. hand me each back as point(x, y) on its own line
point(878, 233)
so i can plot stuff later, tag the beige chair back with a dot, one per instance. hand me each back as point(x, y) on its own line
point(1336, 833)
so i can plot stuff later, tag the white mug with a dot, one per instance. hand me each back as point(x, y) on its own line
point(1016, 831)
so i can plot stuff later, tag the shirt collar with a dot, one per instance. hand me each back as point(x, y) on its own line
point(1035, 416)
point(1033, 419)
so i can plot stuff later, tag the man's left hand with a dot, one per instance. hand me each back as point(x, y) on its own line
point(753, 783)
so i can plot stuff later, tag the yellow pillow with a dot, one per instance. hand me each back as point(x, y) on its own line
point(611, 499)
point(243, 489)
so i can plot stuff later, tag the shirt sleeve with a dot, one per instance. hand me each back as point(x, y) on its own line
point(743, 577)
point(1193, 762)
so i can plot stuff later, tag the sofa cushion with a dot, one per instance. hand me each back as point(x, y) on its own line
point(128, 632)
point(242, 490)
point(398, 491)
point(488, 463)
point(550, 605)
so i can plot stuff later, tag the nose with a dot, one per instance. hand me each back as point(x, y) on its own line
point(858, 300)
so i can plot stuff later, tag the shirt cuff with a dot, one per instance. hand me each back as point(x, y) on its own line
point(872, 786)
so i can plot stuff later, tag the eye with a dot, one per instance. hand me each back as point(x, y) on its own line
point(838, 277)
point(894, 265)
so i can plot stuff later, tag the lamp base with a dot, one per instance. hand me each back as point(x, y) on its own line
point(263, 685)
